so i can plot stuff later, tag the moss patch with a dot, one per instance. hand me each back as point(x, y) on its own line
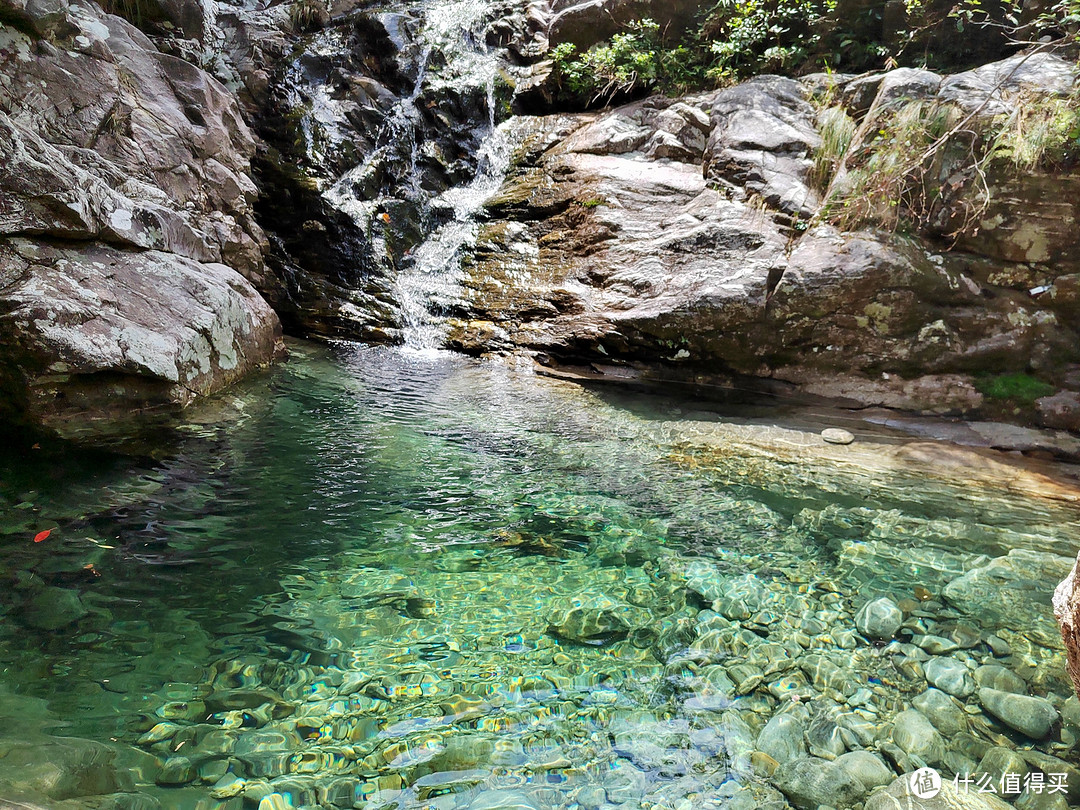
point(1020, 388)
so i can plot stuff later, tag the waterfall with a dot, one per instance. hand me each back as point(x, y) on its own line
point(453, 61)
point(431, 282)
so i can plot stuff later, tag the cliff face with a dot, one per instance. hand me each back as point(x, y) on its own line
point(129, 245)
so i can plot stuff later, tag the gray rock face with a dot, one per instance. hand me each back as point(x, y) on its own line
point(879, 619)
point(1032, 716)
point(646, 252)
point(127, 206)
point(587, 22)
point(1062, 411)
point(992, 88)
point(108, 138)
point(889, 89)
point(92, 333)
point(762, 139)
point(1024, 216)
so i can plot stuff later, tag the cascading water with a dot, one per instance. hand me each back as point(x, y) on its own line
point(453, 61)
point(429, 284)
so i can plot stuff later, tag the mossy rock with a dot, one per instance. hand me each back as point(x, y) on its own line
point(1019, 388)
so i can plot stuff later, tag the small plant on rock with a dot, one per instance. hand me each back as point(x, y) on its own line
point(634, 62)
point(308, 15)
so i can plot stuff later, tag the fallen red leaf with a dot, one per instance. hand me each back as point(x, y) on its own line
point(42, 535)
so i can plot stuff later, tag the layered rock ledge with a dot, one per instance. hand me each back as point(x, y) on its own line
point(678, 240)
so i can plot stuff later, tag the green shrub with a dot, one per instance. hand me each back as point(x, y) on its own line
point(735, 39)
point(762, 35)
point(632, 63)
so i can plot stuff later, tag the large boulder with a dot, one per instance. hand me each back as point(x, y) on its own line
point(128, 244)
point(105, 137)
point(94, 333)
point(1006, 214)
point(617, 247)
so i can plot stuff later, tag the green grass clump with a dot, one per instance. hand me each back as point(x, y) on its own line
point(1021, 388)
point(885, 183)
point(837, 130)
point(887, 172)
point(1042, 133)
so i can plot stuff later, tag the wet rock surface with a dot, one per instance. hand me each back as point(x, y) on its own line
point(603, 248)
point(95, 333)
point(1067, 611)
point(375, 122)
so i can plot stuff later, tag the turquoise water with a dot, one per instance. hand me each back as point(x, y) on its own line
point(385, 579)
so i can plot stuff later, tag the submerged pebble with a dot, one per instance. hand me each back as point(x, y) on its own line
point(949, 675)
point(879, 619)
point(1032, 716)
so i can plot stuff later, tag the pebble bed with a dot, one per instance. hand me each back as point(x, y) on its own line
point(565, 599)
